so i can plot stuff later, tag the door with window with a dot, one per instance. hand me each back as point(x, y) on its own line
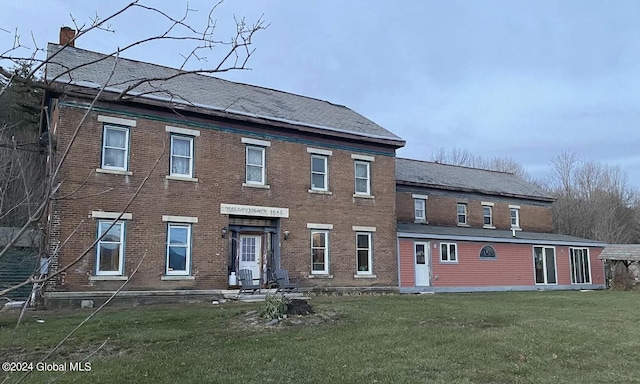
point(544, 263)
point(422, 263)
point(251, 254)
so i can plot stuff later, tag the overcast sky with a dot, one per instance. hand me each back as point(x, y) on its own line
point(518, 79)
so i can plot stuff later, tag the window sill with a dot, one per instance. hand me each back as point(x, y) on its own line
point(108, 278)
point(364, 196)
point(260, 186)
point(320, 276)
point(365, 276)
point(421, 221)
point(181, 178)
point(320, 192)
point(176, 277)
point(488, 227)
point(448, 262)
point(463, 225)
point(516, 229)
point(114, 172)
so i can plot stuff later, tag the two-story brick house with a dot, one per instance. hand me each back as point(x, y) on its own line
point(220, 176)
point(466, 229)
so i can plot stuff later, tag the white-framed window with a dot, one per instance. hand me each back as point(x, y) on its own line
point(487, 215)
point(364, 253)
point(115, 148)
point(462, 213)
point(181, 161)
point(319, 173)
point(363, 177)
point(544, 263)
point(448, 252)
point(420, 209)
point(110, 249)
point(515, 217)
point(320, 252)
point(580, 266)
point(255, 165)
point(178, 249)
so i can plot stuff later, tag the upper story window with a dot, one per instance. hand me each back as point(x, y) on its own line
point(462, 213)
point(255, 161)
point(487, 215)
point(514, 211)
point(319, 173)
point(181, 156)
point(420, 209)
point(363, 181)
point(115, 148)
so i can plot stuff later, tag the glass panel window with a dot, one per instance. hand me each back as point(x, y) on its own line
point(319, 252)
point(515, 217)
point(580, 268)
point(487, 252)
point(110, 250)
point(255, 165)
point(487, 214)
point(319, 173)
point(178, 249)
point(544, 262)
point(448, 252)
point(363, 253)
point(462, 213)
point(181, 156)
point(363, 179)
point(115, 148)
point(420, 209)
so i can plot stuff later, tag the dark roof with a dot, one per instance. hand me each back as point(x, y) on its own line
point(453, 177)
point(208, 92)
point(629, 252)
point(494, 235)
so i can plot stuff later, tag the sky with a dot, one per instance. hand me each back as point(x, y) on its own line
point(524, 80)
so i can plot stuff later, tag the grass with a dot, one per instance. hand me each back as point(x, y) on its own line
point(529, 337)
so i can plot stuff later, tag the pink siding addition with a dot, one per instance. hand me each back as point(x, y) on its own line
point(407, 268)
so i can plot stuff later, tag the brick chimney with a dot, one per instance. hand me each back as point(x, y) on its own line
point(66, 36)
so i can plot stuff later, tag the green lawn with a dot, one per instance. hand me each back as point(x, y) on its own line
point(532, 337)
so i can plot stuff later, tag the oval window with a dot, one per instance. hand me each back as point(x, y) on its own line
point(487, 252)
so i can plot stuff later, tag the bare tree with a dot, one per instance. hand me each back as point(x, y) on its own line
point(463, 157)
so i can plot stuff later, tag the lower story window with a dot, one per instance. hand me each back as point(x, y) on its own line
point(448, 252)
point(110, 252)
point(319, 252)
point(580, 270)
point(178, 249)
point(363, 253)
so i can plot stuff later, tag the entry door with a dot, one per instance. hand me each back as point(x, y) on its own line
point(422, 257)
point(251, 254)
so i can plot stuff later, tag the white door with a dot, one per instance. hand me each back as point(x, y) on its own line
point(250, 254)
point(422, 257)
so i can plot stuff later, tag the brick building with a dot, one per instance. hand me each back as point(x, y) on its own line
point(466, 229)
point(197, 177)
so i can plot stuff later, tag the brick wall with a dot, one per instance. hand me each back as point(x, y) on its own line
point(220, 170)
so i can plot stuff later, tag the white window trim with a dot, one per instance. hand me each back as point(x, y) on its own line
point(120, 270)
point(490, 225)
point(246, 162)
point(255, 142)
point(448, 261)
point(514, 208)
point(319, 226)
point(466, 214)
point(325, 174)
point(585, 249)
point(318, 151)
point(125, 167)
point(424, 209)
point(182, 131)
point(355, 166)
point(116, 121)
point(188, 175)
point(325, 271)
point(370, 253)
point(187, 266)
point(358, 228)
point(363, 157)
point(111, 215)
point(180, 219)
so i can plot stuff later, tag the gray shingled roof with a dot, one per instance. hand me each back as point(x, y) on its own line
point(452, 177)
point(210, 92)
point(629, 252)
point(481, 234)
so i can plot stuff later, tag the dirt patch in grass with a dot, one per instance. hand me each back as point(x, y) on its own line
point(252, 320)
